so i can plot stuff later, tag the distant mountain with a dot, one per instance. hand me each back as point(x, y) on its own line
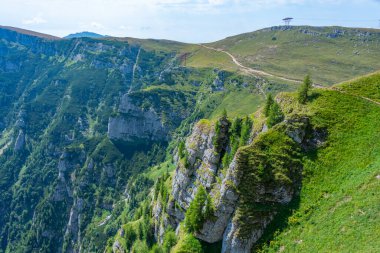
point(84, 34)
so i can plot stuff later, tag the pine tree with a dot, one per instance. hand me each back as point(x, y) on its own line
point(268, 104)
point(215, 140)
point(181, 149)
point(275, 115)
point(199, 210)
point(235, 128)
point(245, 131)
point(304, 90)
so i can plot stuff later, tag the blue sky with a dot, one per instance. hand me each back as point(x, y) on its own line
point(182, 20)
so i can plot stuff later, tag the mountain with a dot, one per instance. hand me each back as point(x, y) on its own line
point(84, 35)
point(130, 145)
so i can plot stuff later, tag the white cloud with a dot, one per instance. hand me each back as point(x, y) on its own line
point(34, 21)
point(97, 25)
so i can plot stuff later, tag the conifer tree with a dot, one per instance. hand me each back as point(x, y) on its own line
point(200, 209)
point(268, 104)
point(304, 90)
point(275, 115)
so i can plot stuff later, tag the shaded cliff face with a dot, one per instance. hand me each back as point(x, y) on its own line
point(136, 126)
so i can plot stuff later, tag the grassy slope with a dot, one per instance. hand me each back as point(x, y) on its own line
point(294, 54)
point(339, 207)
point(368, 86)
point(205, 58)
point(238, 103)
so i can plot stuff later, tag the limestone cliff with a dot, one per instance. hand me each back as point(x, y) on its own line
point(134, 125)
point(247, 193)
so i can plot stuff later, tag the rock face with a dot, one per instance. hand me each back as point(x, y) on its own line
point(20, 141)
point(203, 167)
point(134, 125)
point(72, 230)
point(225, 205)
point(117, 247)
point(204, 161)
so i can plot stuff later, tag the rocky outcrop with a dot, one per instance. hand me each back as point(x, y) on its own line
point(204, 160)
point(242, 232)
point(238, 228)
point(258, 207)
point(117, 247)
point(233, 243)
point(20, 141)
point(225, 205)
point(72, 234)
point(134, 126)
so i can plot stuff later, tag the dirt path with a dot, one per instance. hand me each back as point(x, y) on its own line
point(344, 92)
point(249, 70)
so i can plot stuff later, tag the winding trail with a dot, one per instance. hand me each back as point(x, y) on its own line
point(249, 70)
point(370, 100)
point(347, 93)
point(252, 71)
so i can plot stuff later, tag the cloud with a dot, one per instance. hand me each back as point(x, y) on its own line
point(34, 21)
point(97, 25)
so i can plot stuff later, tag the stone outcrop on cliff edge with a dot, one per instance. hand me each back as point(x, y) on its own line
point(203, 167)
